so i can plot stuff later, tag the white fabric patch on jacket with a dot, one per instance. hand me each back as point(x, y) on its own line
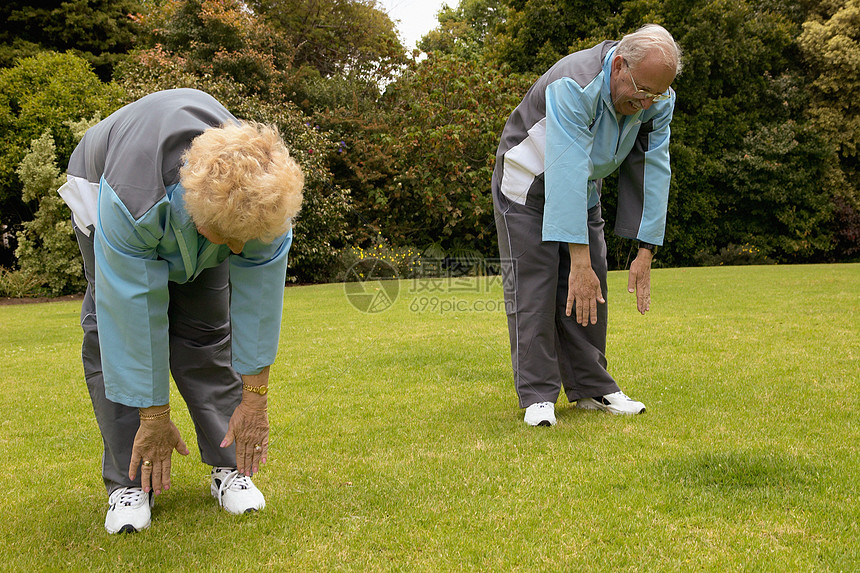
point(523, 163)
point(82, 197)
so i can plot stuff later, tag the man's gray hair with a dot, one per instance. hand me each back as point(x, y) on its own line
point(634, 47)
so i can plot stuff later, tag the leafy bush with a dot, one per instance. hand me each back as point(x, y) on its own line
point(18, 284)
point(47, 251)
point(38, 94)
point(405, 262)
point(40, 99)
point(420, 165)
point(830, 44)
point(731, 255)
point(42, 93)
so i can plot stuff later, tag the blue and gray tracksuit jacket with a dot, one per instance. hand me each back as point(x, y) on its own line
point(124, 180)
point(565, 137)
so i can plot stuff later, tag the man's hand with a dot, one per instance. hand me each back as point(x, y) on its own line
point(249, 426)
point(639, 280)
point(583, 286)
point(152, 450)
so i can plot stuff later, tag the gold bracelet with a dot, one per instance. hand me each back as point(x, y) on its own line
point(162, 414)
point(261, 390)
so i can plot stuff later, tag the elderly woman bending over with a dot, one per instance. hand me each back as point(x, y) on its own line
point(183, 217)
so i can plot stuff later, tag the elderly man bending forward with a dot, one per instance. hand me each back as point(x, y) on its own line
point(596, 111)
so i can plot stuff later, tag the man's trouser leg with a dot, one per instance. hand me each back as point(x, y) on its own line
point(200, 359)
point(530, 276)
point(117, 423)
point(582, 349)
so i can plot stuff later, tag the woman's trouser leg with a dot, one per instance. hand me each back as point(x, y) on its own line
point(201, 357)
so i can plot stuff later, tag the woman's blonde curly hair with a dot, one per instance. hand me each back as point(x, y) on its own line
point(241, 183)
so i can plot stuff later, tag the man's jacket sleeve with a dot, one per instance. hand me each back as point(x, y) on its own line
point(257, 280)
point(643, 183)
point(131, 303)
point(570, 111)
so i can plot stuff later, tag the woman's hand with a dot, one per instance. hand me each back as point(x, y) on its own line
point(249, 424)
point(153, 447)
point(249, 429)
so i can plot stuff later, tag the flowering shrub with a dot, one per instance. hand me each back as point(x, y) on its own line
point(405, 262)
point(731, 255)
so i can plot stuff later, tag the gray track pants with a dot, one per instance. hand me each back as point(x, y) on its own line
point(549, 351)
point(200, 361)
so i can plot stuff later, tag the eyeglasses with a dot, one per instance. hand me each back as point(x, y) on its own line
point(642, 94)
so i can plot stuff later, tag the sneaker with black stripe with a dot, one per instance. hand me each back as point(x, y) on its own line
point(615, 403)
point(235, 492)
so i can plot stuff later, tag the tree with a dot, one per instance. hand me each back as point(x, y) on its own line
point(420, 168)
point(336, 36)
point(831, 45)
point(465, 30)
point(536, 33)
point(207, 34)
point(218, 38)
point(47, 251)
point(100, 31)
point(42, 93)
point(775, 177)
point(740, 113)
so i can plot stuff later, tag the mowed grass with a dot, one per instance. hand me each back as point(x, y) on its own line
point(397, 443)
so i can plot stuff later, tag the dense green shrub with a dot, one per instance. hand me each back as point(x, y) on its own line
point(420, 167)
point(734, 255)
point(41, 95)
point(47, 251)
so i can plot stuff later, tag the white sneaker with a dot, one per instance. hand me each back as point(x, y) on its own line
point(130, 510)
point(615, 403)
point(236, 493)
point(540, 414)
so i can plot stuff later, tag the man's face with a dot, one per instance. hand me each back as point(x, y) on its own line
point(634, 88)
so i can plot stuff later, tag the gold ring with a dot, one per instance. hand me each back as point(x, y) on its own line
point(147, 463)
point(258, 447)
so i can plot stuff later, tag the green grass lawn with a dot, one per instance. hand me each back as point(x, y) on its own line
point(397, 443)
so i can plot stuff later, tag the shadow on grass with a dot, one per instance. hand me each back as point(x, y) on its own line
point(738, 470)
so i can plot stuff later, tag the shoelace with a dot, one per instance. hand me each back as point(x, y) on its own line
point(131, 496)
point(232, 481)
